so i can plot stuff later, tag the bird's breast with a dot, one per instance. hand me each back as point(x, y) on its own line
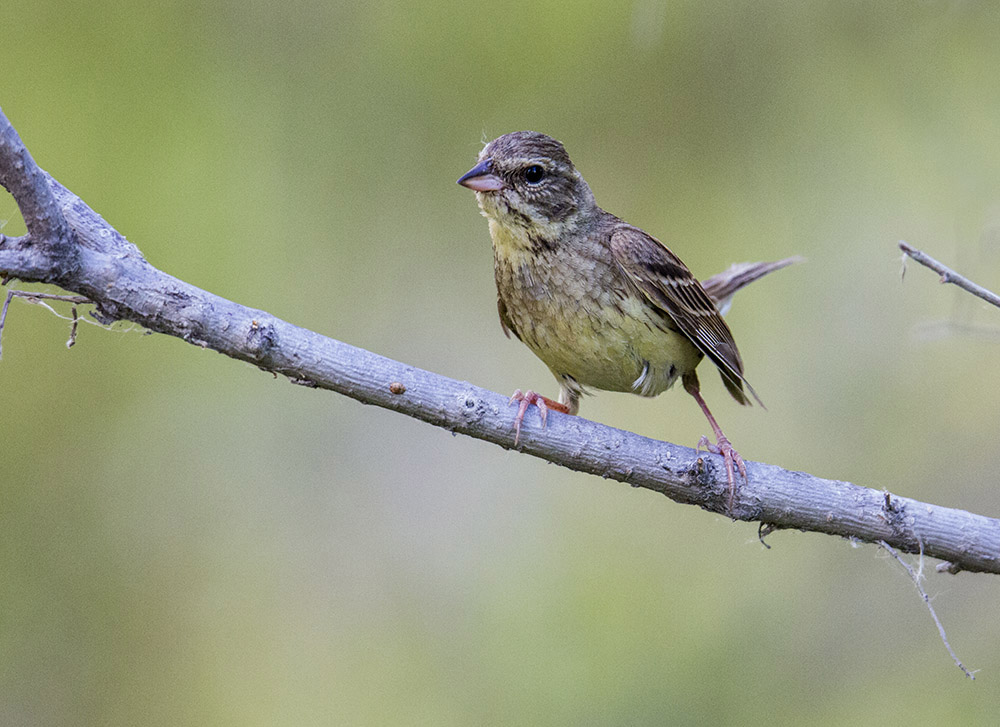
point(573, 308)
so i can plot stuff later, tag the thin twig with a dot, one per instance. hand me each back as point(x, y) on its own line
point(32, 297)
point(916, 576)
point(948, 275)
point(72, 329)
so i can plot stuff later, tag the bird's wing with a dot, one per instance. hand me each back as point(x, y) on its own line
point(669, 286)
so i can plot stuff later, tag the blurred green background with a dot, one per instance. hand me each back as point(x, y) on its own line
point(186, 540)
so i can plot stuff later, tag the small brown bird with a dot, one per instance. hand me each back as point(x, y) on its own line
point(602, 303)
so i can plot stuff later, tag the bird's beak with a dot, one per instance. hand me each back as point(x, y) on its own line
point(481, 178)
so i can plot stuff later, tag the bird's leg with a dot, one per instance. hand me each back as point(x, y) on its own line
point(528, 398)
point(722, 446)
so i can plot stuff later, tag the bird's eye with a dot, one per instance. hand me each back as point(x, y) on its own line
point(534, 174)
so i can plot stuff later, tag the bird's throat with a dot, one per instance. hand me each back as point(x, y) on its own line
point(516, 241)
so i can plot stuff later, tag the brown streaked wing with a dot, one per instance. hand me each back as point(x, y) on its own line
point(667, 283)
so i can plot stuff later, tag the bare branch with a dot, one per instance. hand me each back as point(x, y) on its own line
point(30, 188)
point(113, 274)
point(948, 275)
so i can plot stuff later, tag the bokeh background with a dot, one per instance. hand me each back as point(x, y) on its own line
point(187, 540)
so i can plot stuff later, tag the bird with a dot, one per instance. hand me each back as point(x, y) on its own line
point(601, 302)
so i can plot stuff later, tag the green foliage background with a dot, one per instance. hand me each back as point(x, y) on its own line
point(185, 540)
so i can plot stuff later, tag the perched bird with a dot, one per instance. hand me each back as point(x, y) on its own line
point(602, 303)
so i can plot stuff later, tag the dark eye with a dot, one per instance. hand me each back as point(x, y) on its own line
point(534, 174)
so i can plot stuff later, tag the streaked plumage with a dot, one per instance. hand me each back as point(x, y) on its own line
point(602, 303)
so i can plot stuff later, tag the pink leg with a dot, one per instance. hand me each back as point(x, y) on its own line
point(722, 446)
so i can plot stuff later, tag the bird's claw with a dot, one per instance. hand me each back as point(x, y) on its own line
point(732, 459)
point(526, 399)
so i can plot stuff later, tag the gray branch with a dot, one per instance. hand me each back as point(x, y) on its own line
point(71, 246)
point(948, 275)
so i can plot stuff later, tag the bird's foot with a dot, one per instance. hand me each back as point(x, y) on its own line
point(528, 398)
point(732, 459)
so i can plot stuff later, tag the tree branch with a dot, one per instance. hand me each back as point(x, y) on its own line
point(30, 186)
point(947, 274)
point(112, 273)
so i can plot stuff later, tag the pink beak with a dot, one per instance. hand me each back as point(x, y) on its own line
point(481, 178)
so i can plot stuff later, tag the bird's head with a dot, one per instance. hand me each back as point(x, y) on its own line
point(526, 180)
